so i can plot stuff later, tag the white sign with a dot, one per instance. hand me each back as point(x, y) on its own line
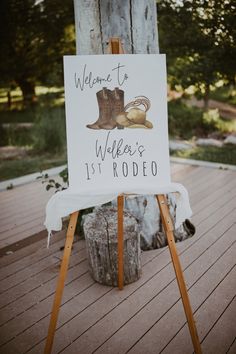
point(116, 118)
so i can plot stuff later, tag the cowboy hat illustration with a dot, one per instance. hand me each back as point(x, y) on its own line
point(133, 116)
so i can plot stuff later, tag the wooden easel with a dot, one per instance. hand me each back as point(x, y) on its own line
point(115, 47)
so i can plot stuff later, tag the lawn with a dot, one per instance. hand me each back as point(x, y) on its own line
point(225, 154)
point(40, 127)
point(30, 164)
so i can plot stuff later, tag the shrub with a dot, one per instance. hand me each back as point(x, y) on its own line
point(211, 118)
point(3, 136)
point(226, 93)
point(49, 131)
point(186, 122)
point(24, 115)
point(15, 135)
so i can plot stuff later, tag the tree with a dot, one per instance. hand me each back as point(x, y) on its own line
point(199, 40)
point(32, 37)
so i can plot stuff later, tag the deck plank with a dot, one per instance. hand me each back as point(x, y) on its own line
point(81, 322)
point(132, 319)
point(33, 254)
point(206, 315)
point(148, 314)
point(29, 271)
point(28, 250)
point(161, 333)
point(47, 273)
point(223, 332)
point(22, 212)
point(225, 189)
point(232, 348)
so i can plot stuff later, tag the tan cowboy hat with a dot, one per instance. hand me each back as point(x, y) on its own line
point(135, 118)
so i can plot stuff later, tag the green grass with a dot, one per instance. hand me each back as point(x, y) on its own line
point(225, 154)
point(46, 98)
point(28, 115)
point(16, 168)
point(47, 133)
point(16, 136)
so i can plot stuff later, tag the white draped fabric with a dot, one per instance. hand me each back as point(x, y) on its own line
point(66, 202)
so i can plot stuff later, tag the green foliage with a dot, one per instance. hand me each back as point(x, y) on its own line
point(64, 176)
point(225, 154)
point(199, 40)
point(224, 94)
point(184, 122)
point(49, 131)
point(33, 37)
point(187, 122)
point(15, 135)
point(51, 183)
point(46, 135)
point(211, 118)
point(52, 97)
point(25, 115)
point(49, 107)
point(3, 136)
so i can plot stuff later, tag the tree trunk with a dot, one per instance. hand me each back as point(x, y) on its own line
point(101, 244)
point(206, 97)
point(135, 22)
point(28, 91)
point(9, 99)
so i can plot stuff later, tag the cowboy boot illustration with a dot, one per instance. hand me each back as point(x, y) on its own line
point(104, 120)
point(118, 104)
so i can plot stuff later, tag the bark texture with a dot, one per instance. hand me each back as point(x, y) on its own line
point(147, 213)
point(134, 21)
point(87, 27)
point(100, 230)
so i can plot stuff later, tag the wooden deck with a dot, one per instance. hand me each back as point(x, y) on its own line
point(22, 215)
point(147, 316)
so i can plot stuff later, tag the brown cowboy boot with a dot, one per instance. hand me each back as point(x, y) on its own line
point(118, 104)
point(105, 111)
point(107, 122)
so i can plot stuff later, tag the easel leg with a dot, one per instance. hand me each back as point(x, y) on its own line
point(115, 47)
point(60, 282)
point(168, 226)
point(120, 208)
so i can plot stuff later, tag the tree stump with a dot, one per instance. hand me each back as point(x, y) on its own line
point(100, 230)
